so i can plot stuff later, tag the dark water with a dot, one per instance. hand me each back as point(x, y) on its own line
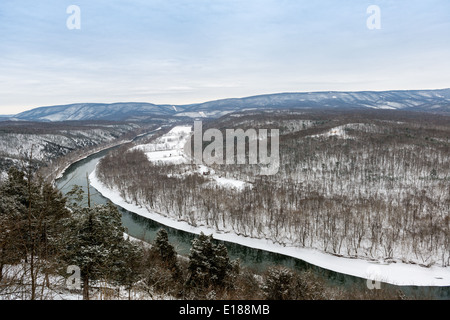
point(146, 229)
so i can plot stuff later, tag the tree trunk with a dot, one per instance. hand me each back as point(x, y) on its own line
point(86, 288)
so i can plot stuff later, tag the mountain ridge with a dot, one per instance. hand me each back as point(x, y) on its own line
point(436, 101)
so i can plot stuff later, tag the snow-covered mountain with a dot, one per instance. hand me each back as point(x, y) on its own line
point(413, 100)
point(421, 100)
point(96, 111)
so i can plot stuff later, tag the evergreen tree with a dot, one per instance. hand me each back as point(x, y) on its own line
point(167, 252)
point(278, 283)
point(97, 246)
point(209, 263)
point(282, 283)
point(127, 266)
point(9, 231)
point(30, 211)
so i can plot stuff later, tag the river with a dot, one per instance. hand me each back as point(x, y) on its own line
point(146, 229)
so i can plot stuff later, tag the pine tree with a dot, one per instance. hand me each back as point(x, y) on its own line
point(278, 283)
point(127, 266)
point(209, 263)
point(30, 212)
point(9, 231)
point(97, 246)
point(167, 252)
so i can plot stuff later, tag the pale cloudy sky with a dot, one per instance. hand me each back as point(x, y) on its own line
point(186, 51)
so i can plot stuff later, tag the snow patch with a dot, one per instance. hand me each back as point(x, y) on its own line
point(334, 132)
point(169, 147)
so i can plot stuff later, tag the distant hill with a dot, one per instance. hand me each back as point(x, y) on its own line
point(436, 101)
point(95, 111)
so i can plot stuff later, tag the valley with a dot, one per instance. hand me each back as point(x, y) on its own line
point(334, 197)
point(52, 146)
point(361, 192)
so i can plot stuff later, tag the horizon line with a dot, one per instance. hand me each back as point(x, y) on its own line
point(222, 99)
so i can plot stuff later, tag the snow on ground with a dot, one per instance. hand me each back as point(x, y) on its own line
point(17, 286)
point(386, 107)
point(202, 114)
point(229, 183)
point(172, 144)
point(187, 114)
point(334, 132)
point(394, 273)
point(169, 147)
point(221, 181)
point(341, 131)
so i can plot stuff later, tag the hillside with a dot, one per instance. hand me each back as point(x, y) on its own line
point(434, 101)
point(95, 111)
point(367, 185)
point(46, 142)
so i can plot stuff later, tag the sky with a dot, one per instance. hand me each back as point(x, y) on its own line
point(190, 51)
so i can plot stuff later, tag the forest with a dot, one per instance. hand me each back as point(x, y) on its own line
point(44, 235)
point(51, 146)
point(372, 185)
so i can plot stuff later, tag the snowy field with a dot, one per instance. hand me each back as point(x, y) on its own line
point(169, 149)
point(341, 131)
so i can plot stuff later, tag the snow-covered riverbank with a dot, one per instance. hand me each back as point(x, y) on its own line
point(169, 149)
point(394, 273)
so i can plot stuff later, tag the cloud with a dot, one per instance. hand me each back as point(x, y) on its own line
point(190, 51)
